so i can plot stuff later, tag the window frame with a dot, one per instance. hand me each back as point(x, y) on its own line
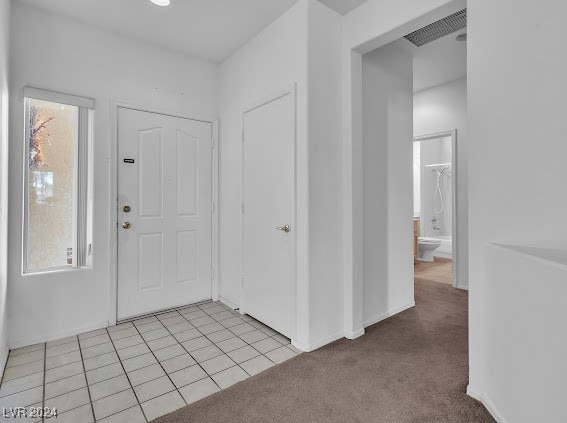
point(82, 257)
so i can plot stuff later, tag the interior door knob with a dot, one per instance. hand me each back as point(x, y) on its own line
point(126, 225)
point(285, 228)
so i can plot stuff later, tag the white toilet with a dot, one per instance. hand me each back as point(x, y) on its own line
point(426, 247)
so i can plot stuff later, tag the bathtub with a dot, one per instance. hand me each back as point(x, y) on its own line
point(446, 248)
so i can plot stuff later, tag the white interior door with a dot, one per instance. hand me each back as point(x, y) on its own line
point(268, 197)
point(164, 212)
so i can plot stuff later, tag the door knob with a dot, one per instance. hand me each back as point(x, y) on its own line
point(285, 228)
point(126, 209)
point(126, 225)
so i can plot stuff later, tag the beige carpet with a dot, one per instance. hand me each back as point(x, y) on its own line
point(410, 368)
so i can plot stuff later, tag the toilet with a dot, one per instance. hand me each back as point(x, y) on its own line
point(426, 248)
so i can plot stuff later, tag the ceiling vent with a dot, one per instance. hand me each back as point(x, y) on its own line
point(438, 29)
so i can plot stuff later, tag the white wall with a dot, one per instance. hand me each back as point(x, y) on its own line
point(525, 332)
point(4, 56)
point(325, 143)
point(55, 53)
point(440, 109)
point(387, 85)
point(272, 61)
point(301, 47)
point(516, 90)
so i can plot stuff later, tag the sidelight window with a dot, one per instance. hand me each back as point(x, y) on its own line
point(57, 187)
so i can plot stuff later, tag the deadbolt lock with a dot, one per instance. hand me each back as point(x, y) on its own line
point(126, 209)
point(126, 225)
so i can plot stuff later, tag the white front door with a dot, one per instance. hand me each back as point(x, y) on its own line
point(164, 212)
point(268, 196)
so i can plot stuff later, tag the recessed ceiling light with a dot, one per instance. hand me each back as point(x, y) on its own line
point(161, 2)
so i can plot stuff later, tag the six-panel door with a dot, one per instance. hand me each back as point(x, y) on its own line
point(164, 212)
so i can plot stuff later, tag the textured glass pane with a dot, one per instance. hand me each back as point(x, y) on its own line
point(52, 144)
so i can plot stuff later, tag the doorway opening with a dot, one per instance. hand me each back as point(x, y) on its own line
point(414, 105)
point(434, 209)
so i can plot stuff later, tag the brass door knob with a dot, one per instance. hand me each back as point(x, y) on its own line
point(285, 228)
point(126, 209)
point(126, 225)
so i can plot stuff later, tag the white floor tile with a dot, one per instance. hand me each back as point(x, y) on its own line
point(83, 414)
point(146, 374)
point(100, 361)
point(162, 405)
point(178, 363)
point(199, 390)
point(104, 373)
point(206, 353)
point(279, 355)
point(186, 376)
point(114, 404)
point(266, 345)
point(22, 399)
point(17, 360)
point(139, 362)
point(154, 388)
point(229, 377)
point(69, 401)
point(140, 370)
point(65, 386)
point(196, 344)
point(97, 350)
point(132, 415)
point(133, 351)
point(169, 352)
point(64, 372)
point(256, 365)
point(109, 387)
point(21, 384)
point(11, 373)
point(243, 354)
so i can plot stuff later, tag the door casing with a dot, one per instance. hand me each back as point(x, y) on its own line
point(113, 161)
point(277, 94)
point(454, 163)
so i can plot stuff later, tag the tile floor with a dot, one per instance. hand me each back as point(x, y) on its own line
point(140, 370)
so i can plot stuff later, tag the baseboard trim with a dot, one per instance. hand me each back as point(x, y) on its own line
point(474, 393)
point(356, 334)
point(228, 303)
point(393, 312)
point(24, 342)
point(488, 404)
point(317, 344)
point(463, 287)
point(4, 361)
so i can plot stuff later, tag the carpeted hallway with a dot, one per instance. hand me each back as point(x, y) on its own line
point(409, 368)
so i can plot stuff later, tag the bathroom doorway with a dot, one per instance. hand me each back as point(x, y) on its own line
point(435, 208)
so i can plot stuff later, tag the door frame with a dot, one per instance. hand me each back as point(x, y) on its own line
point(274, 96)
point(115, 106)
point(454, 163)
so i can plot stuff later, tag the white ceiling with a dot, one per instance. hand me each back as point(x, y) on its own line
point(211, 29)
point(439, 62)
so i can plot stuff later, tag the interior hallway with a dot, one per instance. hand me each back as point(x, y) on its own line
point(412, 367)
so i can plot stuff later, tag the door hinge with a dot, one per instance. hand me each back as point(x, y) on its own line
point(243, 135)
point(242, 208)
point(212, 207)
point(213, 142)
